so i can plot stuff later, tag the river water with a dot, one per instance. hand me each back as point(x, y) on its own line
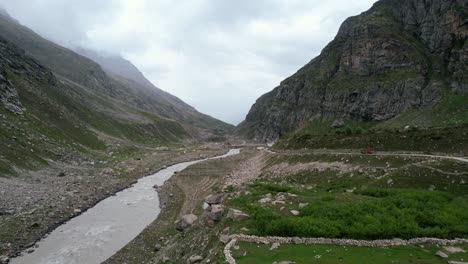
point(101, 231)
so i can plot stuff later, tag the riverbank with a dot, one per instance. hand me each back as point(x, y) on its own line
point(40, 201)
point(184, 193)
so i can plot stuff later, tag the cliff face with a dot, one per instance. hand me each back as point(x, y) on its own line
point(398, 55)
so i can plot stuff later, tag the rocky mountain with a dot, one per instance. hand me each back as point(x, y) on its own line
point(399, 60)
point(60, 106)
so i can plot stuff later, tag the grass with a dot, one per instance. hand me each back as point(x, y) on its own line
point(305, 254)
point(376, 209)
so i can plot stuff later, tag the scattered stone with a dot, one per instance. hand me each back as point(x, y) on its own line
point(157, 247)
point(275, 245)
point(441, 254)
point(186, 222)
point(29, 251)
point(265, 200)
point(337, 124)
point(284, 262)
point(76, 211)
point(162, 148)
point(389, 181)
point(107, 171)
point(297, 240)
point(452, 250)
point(34, 225)
point(237, 215)
point(278, 202)
point(215, 212)
point(4, 259)
point(457, 262)
point(194, 259)
point(295, 212)
point(244, 229)
point(302, 205)
point(61, 174)
point(215, 198)
point(224, 239)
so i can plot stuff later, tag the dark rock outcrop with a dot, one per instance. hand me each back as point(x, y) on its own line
point(400, 54)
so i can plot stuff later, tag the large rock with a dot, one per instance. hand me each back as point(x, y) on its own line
point(441, 254)
point(237, 215)
point(215, 198)
point(4, 259)
point(194, 259)
point(215, 212)
point(186, 222)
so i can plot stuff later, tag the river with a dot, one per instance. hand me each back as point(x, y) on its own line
point(101, 231)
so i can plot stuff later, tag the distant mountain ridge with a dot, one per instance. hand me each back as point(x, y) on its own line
point(116, 65)
point(400, 60)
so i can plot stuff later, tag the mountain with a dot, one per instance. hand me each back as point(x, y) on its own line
point(116, 65)
point(61, 106)
point(403, 62)
point(147, 96)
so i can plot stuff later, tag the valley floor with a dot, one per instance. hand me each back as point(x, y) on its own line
point(336, 194)
point(33, 203)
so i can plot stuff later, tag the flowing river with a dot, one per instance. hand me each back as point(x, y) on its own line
point(101, 231)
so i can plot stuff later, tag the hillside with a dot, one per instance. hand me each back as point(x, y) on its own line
point(143, 94)
point(401, 63)
point(60, 106)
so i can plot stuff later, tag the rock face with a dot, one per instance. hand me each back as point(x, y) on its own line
point(400, 54)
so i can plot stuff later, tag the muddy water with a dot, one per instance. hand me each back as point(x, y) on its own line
point(100, 232)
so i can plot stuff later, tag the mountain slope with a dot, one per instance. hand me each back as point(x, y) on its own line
point(86, 72)
point(146, 96)
point(56, 105)
point(399, 59)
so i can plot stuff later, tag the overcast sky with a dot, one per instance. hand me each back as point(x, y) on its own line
point(217, 55)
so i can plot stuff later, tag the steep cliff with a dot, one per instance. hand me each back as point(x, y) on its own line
point(400, 55)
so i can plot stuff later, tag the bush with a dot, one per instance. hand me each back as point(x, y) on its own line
point(398, 213)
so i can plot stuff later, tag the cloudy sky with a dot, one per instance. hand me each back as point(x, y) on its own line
point(217, 55)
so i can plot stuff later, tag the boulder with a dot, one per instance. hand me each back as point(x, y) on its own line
point(237, 215)
point(4, 259)
point(215, 198)
point(265, 200)
point(275, 245)
point(157, 247)
point(194, 259)
point(295, 212)
point(224, 239)
point(215, 212)
point(452, 250)
point(441, 254)
point(337, 123)
point(186, 221)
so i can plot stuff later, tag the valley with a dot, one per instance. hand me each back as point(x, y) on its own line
point(361, 156)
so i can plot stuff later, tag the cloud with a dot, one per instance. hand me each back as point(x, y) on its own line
point(217, 55)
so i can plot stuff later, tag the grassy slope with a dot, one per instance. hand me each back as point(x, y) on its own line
point(88, 73)
point(378, 208)
point(301, 254)
point(64, 119)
